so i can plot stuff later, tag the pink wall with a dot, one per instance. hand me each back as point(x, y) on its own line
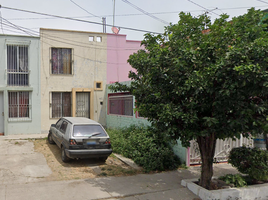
point(118, 51)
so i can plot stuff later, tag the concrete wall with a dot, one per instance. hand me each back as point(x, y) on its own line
point(89, 65)
point(30, 125)
point(120, 121)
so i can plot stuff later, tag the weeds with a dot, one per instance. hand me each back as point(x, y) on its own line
point(145, 146)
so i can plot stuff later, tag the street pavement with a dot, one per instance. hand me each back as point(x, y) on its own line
point(22, 171)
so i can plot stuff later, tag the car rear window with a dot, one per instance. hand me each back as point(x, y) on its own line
point(87, 130)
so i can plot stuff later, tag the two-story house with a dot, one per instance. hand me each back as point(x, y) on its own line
point(73, 75)
point(19, 85)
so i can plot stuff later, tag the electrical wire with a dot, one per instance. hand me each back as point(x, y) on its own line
point(143, 11)
point(1, 22)
point(263, 1)
point(44, 37)
point(83, 9)
point(69, 18)
point(61, 40)
point(203, 7)
point(138, 14)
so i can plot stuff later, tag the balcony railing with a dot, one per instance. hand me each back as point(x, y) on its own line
point(17, 78)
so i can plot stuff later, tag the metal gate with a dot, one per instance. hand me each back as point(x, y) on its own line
point(223, 147)
point(83, 104)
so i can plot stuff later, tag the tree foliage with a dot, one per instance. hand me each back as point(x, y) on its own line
point(204, 80)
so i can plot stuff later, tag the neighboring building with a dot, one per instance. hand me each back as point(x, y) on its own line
point(73, 75)
point(120, 110)
point(19, 85)
point(120, 106)
point(118, 51)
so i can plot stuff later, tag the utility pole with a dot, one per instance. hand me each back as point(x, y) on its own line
point(104, 24)
point(114, 13)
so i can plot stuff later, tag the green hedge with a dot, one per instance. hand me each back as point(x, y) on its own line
point(251, 161)
point(145, 146)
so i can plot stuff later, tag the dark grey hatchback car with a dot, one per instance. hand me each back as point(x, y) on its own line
point(79, 137)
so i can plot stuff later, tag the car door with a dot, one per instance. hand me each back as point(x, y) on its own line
point(56, 133)
point(62, 131)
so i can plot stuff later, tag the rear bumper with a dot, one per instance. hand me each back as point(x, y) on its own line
point(88, 153)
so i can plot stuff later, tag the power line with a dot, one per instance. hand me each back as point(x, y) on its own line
point(203, 7)
point(63, 41)
point(263, 1)
point(136, 14)
point(84, 9)
point(143, 11)
point(69, 18)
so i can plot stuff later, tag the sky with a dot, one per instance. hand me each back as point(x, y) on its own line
point(140, 15)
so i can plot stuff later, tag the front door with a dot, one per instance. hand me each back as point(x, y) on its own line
point(1, 113)
point(83, 104)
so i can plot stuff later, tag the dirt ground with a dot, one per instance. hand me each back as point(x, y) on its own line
point(80, 169)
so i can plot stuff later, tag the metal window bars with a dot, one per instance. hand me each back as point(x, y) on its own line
point(19, 105)
point(61, 62)
point(17, 65)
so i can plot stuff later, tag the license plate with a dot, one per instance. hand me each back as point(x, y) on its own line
point(91, 142)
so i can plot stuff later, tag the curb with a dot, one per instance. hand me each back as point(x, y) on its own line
point(128, 161)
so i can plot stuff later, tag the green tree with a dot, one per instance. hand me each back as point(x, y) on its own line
point(204, 80)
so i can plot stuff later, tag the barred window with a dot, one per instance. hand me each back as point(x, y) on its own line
point(121, 104)
point(61, 104)
point(61, 62)
point(17, 65)
point(18, 104)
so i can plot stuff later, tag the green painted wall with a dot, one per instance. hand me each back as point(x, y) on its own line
point(118, 121)
point(180, 151)
point(31, 125)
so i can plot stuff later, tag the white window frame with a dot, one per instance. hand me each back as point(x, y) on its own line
point(29, 106)
point(51, 106)
point(122, 97)
point(18, 44)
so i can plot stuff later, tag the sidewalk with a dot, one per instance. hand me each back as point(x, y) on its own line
point(22, 170)
point(144, 186)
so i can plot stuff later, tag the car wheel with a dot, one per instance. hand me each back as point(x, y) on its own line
point(64, 157)
point(50, 139)
point(103, 159)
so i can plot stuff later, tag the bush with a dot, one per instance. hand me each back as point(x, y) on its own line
point(251, 161)
point(235, 179)
point(145, 146)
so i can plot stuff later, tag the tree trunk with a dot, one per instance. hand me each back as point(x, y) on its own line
point(207, 150)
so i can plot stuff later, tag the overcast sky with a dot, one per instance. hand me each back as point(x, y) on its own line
point(146, 15)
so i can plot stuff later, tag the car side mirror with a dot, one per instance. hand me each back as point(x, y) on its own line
point(53, 125)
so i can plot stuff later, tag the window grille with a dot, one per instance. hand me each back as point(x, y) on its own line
point(61, 104)
point(18, 105)
point(121, 105)
point(17, 65)
point(61, 62)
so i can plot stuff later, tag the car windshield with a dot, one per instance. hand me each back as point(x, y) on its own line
point(89, 131)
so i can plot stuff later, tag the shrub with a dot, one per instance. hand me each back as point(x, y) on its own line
point(145, 146)
point(251, 161)
point(236, 179)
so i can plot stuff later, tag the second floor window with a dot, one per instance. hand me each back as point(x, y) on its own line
point(17, 65)
point(61, 61)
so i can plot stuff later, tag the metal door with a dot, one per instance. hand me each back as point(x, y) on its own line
point(83, 104)
point(223, 147)
point(1, 113)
